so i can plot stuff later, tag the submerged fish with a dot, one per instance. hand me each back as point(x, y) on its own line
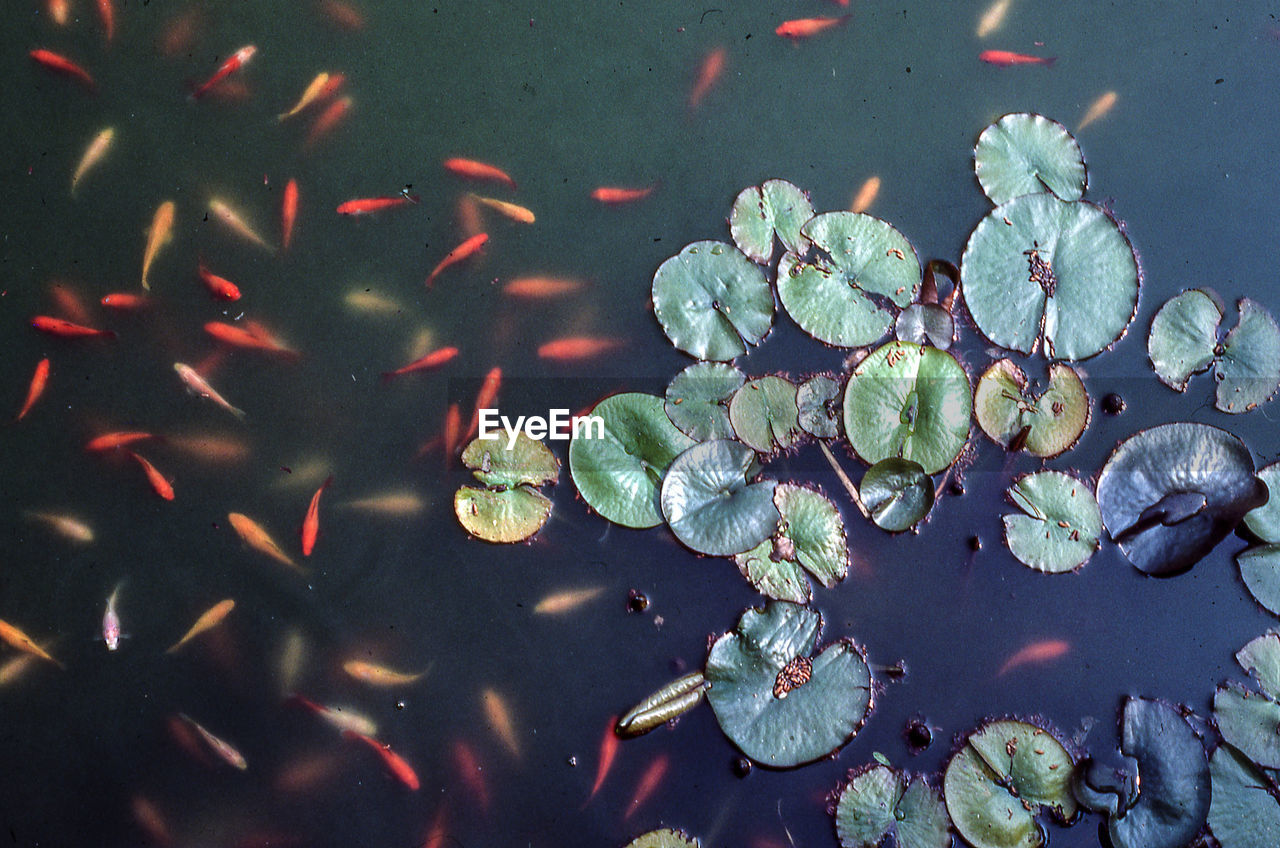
point(498, 714)
point(93, 154)
point(158, 236)
point(566, 600)
point(67, 526)
point(1036, 652)
point(198, 385)
point(222, 748)
point(381, 675)
point(208, 619)
point(17, 639)
point(1098, 109)
point(253, 535)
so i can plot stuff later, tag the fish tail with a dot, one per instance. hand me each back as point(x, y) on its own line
point(1049, 60)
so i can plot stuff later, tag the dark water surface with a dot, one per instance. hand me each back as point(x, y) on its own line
point(565, 96)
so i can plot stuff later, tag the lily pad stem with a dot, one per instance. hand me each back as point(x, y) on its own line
point(844, 478)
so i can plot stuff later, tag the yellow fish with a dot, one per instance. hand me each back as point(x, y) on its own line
point(157, 237)
point(566, 600)
point(392, 504)
point(23, 642)
point(93, 155)
point(993, 18)
point(1098, 110)
point(236, 223)
point(380, 675)
point(210, 618)
point(252, 534)
point(511, 210)
point(313, 91)
point(499, 716)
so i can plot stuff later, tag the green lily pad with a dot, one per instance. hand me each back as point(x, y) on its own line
point(664, 838)
point(1244, 811)
point(1248, 720)
point(926, 322)
point(1183, 336)
point(768, 568)
point(1260, 570)
point(810, 536)
point(779, 703)
point(1039, 266)
point(1060, 523)
point(1010, 414)
point(843, 295)
point(698, 399)
point(712, 301)
point(994, 784)
point(619, 475)
point(1024, 153)
point(877, 803)
point(507, 515)
point(1249, 366)
point(775, 208)
point(898, 494)
point(764, 414)
point(905, 400)
point(1261, 658)
point(709, 504)
point(1170, 493)
point(1264, 521)
point(528, 462)
point(817, 405)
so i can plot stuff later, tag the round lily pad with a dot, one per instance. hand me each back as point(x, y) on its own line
point(816, 401)
point(1244, 811)
point(709, 504)
point(1024, 153)
point(775, 208)
point(698, 399)
point(1249, 366)
point(1169, 494)
point(527, 461)
point(1261, 658)
point(810, 536)
point(1264, 521)
point(712, 301)
point(664, 838)
point(1042, 267)
point(764, 415)
point(994, 784)
point(1183, 336)
point(926, 322)
point(839, 296)
point(1260, 570)
point(898, 494)
point(619, 475)
point(905, 400)
point(877, 803)
point(774, 575)
point(1012, 415)
point(781, 704)
point(1060, 524)
point(1248, 720)
point(507, 515)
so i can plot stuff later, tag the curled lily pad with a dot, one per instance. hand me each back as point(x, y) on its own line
point(511, 509)
point(995, 782)
point(905, 400)
point(710, 505)
point(898, 494)
point(1169, 494)
point(664, 705)
point(926, 322)
point(1024, 153)
point(1060, 524)
point(1261, 658)
point(1011, 415)
point(1260, 570)
point(664, 838)
point(764, 415)
point(816, 401)
point(877, 802)
point(1248, 720)
point(698, 399)
point(1244, 811)
point(619, 475)
point(1264, 521)
point(776, 207)
point(781, 704)
point(844, 295)
point(712, 301)
point(1041, 267)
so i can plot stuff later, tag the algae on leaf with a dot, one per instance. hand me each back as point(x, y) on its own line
point(1012, 416)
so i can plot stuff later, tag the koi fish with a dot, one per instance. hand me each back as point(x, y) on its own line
point(237, 61)
point(62, 65)
point(484, 399)
point(154, 477)
point(152, 822)
point(124, 301)
point(199, 386)
point(866, 195)
point(458, 254)
point(288, 213)
point(60, 11)
point(211, 447)
point(311, 523)
point(111, 441)
point(648, 783)
point(567, 600)
point(371, 302)
point(342, 15)
point(252, 338)
point(236, 223)
point(1098, 109)
point(473, 170)
point(36, 387)
point(220, 287)
point(1036, 652)
point(107, 14)
point(708, 75)
point(66, 330)
point(68, 527)
point(452, 431)
point(993, 18)
point(513, 211)
point(111, 621)
point(253, 535)
point(367, 205)
point(472, 772)
point(339, 717)
point(15, 667)
point(392, 504)
point(208, 619)
point(396, 764)
point(806, 27)
point(540, 287)
point(574, 348)
point(309, 96)
point(608, 750)
point(435, 359)
point(17, 639)
point(616, 196)
point(93, 154)
point(381, 675)
point(69, 302)
point(470, 221)
point(328, 119)
point(1005, 58)
point(222, 748)
point(157, 237)
point(498, 714)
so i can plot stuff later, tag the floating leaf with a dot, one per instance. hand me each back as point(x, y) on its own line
point(926, 322)
point(810, 535)
point(1040, 266)
point(698, 399)
point(709, 504)
point(1264, 521)
point(877, 802)
point(510, 510)
point(1169, 494)
point(781, 706)
point(1060, 525)
point(527, 462)
point(764, 415)
point(908, 401)
point(1248, 720)
point(898, 494)
point(1249, 366)
point(777, 207)
point(1260, 570)
point(1024, 153)
point(1183, 336)
point(712, 301)
point(816, 403)
point(666, 704)
point(664, 838)
point(619, 475)
point(840, 296)
point(773, 575)
point(1261, 658)
point(1009, 413)
point(1244, 811)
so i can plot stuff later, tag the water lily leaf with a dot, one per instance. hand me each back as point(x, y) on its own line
point(698, 399)
point(1249, 367)
point(712, 301)
point(1244, 811)
point(926, 322)
point(1260, 570)
point(779, 703)
point(773, 575)
point(664, 838)
point(528, 461)
point(619, 475)
point(709, 504)
point(662, 706)
point(877, 802)
point(776, 207)
point(816, 404)
point(1261, 658)
point(1024, 153)
point(1183, 336)
point(1038, 266)
point(811, 535)
point(994, 784)
point(898, 494)
point(1169, 494)
point(1011, 414)
point(507, 515)
point(844, 295)
point(905, 400)
point(1264, 521)
point(1060, 523)
point(1248, 720)
point(764, 415)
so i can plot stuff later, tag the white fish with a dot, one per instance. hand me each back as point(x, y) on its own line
point(111, 621)
point(199, 385)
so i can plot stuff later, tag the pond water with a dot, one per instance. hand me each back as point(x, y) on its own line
point(565, 97)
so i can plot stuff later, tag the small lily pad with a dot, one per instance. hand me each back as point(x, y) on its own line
point(905, 400)
point(775, 208)
point(1060, 524)
point(1261, 658)
point(898, 494)
point(779, 703)
point(710, 505)
point(1183, 336)
point(810, 535)
point(698, 399)
point(664, 838)
point(768, 568)
point(1249, 366)
point(1264, 521)
point(511, 509)
point(528, 462)
point(764, 415)
point(1023, 153)
point(926, 322)
point(1248, 720)
point(1010, 414)
point(877, 803)
point(712, 301)
point(1260, 570)
point(816, 401)
point(1244, 811)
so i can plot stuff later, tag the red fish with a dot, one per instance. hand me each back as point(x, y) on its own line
point(329, 118)
point(124, 300)
point(608, 750)
point(648, 783)
point(155, 478)
point(484, 399)
point(708, 75)
point(435, 359)
point(288, 213)
point(577, 347)
point(615, 195)
point(1036, 652)
point(396, 764)
point(806, 27)
point(252, 338)
point(63, 65)
point(473, 170)
point(70, 304)
point(118, 439)
point(540, 287)
point(311, 524)
point(236, 62)
point(219, 287)
point(458, 254)
point(452, 431)
point(67, 330)
point(364, 206)
point(36, 389)
point(107, 13)
point(1005, 58)
point(472, 772)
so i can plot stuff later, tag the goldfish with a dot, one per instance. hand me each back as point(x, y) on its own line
point(111, 621)
point(93, 154)
point(458, 254)
point(220, 287)
point(154, 477)
point(328, 119)
point(513, 211)
point(309, 96)
point(237, 61)
point(233, 220)
point(252, 337)
point(993, 18)
point(60, 11)
point(340, 717)
point(15, 667)
point(61, 64)
point(567, 600)
point(608, 750)
point(253, 535)
point(367, 205)
point(380, 675)
point(208, 619)
point(107, 14)
point(452, 431)
point(17, 639)
point(473, 170)
point(288, 213)
point(498, 714)
point(307, 772)
point(70, 303)
point(157, 237)
point(396, 764)
point(223, 749)
point(1098, 109)
point(470, 221)
point(472, 773)
point(573, 348)
point(151, 821)
point(615, 195)
point(432, 360)
point(211, 447)
point(199, 386)
point(124, 300)
point(540, 287)
point(649, 781)
point(1005, 58)
point(67, 526)
point(393, 504)
point(371, 302)
point(67, 330)
point(709, 74)
point(805, 27)
point(343, 15)
point(866, 195)
point(311, 523)
point(117, 439)
point(35, 388)
point(293, 654)
point(1036, 652)
point(485, 399)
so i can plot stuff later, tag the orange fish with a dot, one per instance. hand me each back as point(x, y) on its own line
point(157, 237)
point(608, 750)
point(155, 478)
point(1005, 58)
point(219, 287)
point(473, 170)
point(311, 524)
point(380, 675)
point(320, 88)
point(66, 329)
point(1036, 652)
point(866, 195)
point(366, 205)
point(92, 155)
point(61, 64)
point(60, 11)
point(615, 196)
point(253, 535)
point(208, 619)
point(648, 783)
point(111, 441)
point(288, 213)
point(435, 359)
point(458, 254)
point(251, 338)
point(328, 119)
point(540, 287)
point(233, 220)
point(396, 764)
point(484, 399)
point(124, 300)
point(107, 14)
point(452, 431)
point(498, 714)
point(577, 347)
point(343, 15)
point(237, 61)
point(472, 772)
point(38, 381)
point(806, 27)
point(708, 75)
point(567, 600)
point(511, 210)
point(17, 639)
